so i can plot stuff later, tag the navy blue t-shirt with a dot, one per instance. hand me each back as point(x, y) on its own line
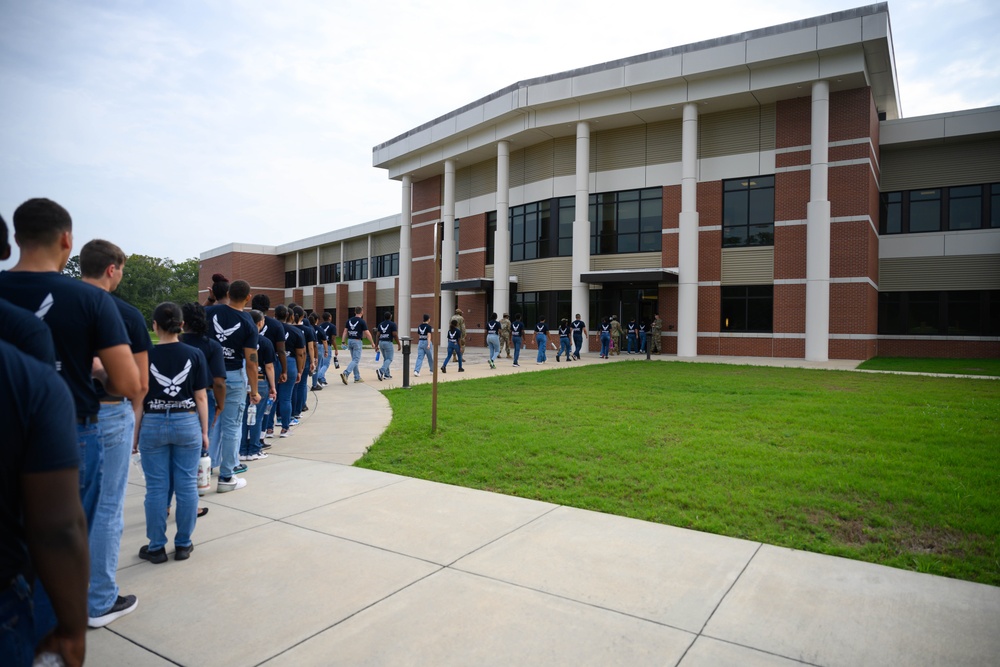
point(294, 340)
point(541, 328)
point(212, 350)
point(176, 372)
point(330, 331)
point(516, 329)
point(454, 335)
point(138, 334)
point(310, 337)
point(83, 319)
point(578, 326)
point(386, 330)
point(23, 330)
point(235, 330)
point(265, 355)
point(33, 441)
point(274, 331)
point(631, 327)
point(493, 327)
point(564, 330)
point(356, 328)
point(424, 330)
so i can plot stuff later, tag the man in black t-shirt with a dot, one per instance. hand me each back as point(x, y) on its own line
point(84, 323)
point(19, 326)
point(237, 333)
point(330, 331)
point(274, 331)
point(355, 331)
point(102, 264)
point(387, 336)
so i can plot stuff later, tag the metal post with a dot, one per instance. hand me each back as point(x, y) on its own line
point(436, 335)
point(404, 342)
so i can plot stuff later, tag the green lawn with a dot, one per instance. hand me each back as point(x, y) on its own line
point(951, 366)
point(891, 469)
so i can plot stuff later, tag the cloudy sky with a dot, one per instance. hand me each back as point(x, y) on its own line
point(175, 127)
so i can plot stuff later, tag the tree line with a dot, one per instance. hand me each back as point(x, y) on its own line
point(149, 281)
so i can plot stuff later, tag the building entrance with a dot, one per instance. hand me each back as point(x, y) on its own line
point(639, 302)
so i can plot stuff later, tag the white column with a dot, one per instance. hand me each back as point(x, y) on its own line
point(581, 226)
point(405, 259)
point(501, 240)
point(818, 230)
point(687, 283)
point(448, 244)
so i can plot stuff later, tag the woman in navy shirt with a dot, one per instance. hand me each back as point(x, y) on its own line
point(173, 434)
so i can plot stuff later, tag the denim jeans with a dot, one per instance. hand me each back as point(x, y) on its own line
point(564, 346)
point(642, 341)
point(17, 624)
point(284, 406)
point(577, 343)
point(453, 348)
point(388, 351)
point(632, 343)
point(423, 349)
point(322, 364)
point(170, 445)
point(542, 340)
point(493, 342)
point(117, 421)
point(605, 344)
point(517, 348)
point(226, 454)
point(88, 437)
point(250, 441)
point(355, 348)
point(301, 391)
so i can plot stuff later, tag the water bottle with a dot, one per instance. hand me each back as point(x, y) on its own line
point(204, 474)
point(336, 362)
point(268, 406)
point(378, 353)
point(251, 415)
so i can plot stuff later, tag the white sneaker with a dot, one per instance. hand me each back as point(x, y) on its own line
point(245, 457)
point(257, 457)
point(233, 484)
point(416, 374)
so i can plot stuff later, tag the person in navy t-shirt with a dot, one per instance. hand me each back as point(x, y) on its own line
point(295, 351)
point(493, 338)
point(355, 331)
point(517, 336)
point(274, 330)
point(579, 331)
point(388, 341)
point(424, 331)
point(19, 326)
point(237, 333)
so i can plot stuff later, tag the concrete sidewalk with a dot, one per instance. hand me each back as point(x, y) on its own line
point(319, 563)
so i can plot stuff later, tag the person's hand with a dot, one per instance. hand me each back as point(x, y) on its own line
point(71, 648)
point(204, 444)
point(272, 394)
point(283, 378)
point(255, 398)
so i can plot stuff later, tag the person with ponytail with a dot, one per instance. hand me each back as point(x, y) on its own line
point(173, 434)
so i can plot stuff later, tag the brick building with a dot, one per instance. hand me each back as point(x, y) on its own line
point(761, 192)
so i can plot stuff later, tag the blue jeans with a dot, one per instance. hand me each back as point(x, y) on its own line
point(388, 351)
point(301, 391)
point(493, 342)
point(517, 348)
point(117, 422)
point(423, 349)
point(541, 340)
point(577, 343)
point(453, 348)
point(17, 624)
point(322, 364)
point(88, 437)
point(631, 343)
point(564, 346)
point(250, 440)
point(605, 344)
point(642, 341)
point(355, 348)
point(170, 445)
point(284, 406)
point(225, 455)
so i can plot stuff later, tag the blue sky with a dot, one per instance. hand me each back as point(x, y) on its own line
point(175, 127)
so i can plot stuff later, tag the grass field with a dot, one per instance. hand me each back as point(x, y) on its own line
point(891, 469)
point(950, 366)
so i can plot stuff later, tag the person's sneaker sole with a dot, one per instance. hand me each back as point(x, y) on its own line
point(378, 374)
point(343, 378)
point(284, 434)
point(122, 606)
point(234, 483)
point(155, 557)
point(183, 553)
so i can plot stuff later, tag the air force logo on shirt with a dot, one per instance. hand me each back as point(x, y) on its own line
point(43, 310)
point(223, 334)
point(171, 386)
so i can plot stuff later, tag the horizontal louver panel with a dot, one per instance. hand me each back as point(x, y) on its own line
point(516, 168)
point(290, 262)
point(384, 298)
point(538, 162)
point(564, 156)
point(329, 254)
point(307, 258)
point(543, 274)
point(940, 165)
point(768, 123)
point(958, 272)
point(640, 260)
point(356, 249)
point(385, 244)
point(484, 178)
point(663, 142)
point(748, 266)
point(729, 132)
point(619, 149)
point(463, 183)
point(307, 302)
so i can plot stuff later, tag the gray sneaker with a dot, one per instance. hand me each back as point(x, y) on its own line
point(123, 605)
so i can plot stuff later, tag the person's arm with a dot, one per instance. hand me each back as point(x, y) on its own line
point(123, 375)
point(250, 354)
point(201, 402)
point(56, 534)
point(272, 392)
point(314, 358)
point(142, 363)
point(368, 335)
point(219, 391)
point(279, 351)
point(300, 363)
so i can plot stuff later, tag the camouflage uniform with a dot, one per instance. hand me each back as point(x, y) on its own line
point(657, 332)
point(461, 327)
point(616, 336)
point(505, 335)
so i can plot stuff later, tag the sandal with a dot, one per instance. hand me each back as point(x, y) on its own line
point(202, 511)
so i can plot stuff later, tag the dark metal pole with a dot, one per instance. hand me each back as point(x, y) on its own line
point(436, 335)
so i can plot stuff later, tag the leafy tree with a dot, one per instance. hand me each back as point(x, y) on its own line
point(72, 268)
point(149, 281)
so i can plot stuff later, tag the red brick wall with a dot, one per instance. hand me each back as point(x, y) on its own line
point(474, 311)
point(265, 273)
point(671, 220)
point(319, 300)
point(368, 302)
point(427, 193)
point(949, 349)
point(342, 307)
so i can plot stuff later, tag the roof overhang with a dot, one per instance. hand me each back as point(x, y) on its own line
point(619, 276)
point(469, 285)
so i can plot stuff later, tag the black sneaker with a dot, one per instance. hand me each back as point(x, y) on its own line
point(241, 468)
point(183, 553)
point(378, 374)
point(444, 370)
point(158, 556)
point(123, 605)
